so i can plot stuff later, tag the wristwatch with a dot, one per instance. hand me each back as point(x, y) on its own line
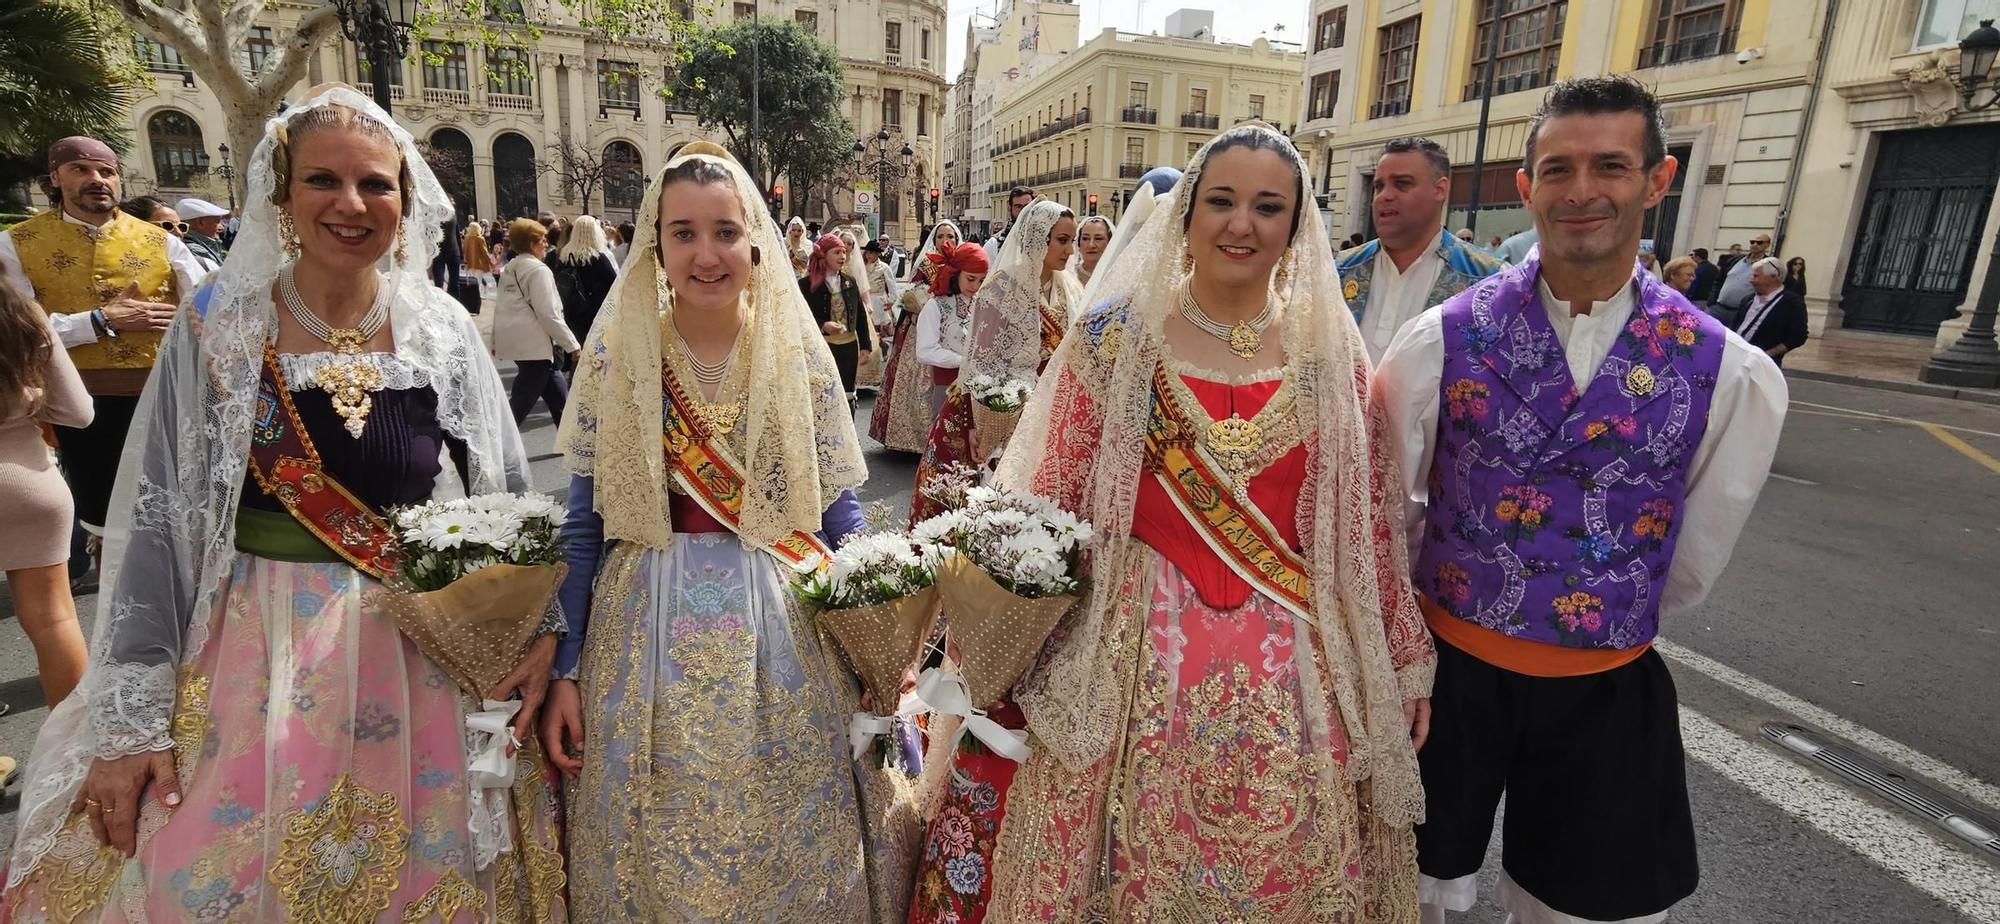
point(102, 323)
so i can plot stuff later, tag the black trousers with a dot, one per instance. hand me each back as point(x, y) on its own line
point(1598, 824)
point(846, 358)
point(89, 455)
point(538, 379)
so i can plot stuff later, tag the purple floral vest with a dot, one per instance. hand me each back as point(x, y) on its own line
point(1553, 515)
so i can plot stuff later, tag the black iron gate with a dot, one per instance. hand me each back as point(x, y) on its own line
point(1920, 228)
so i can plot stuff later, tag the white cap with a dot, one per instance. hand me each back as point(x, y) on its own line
point(190, 209)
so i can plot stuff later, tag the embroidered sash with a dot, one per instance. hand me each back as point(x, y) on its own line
point(1232, 526)
point(287, 467)
point(704, 469)
point(1052, 333)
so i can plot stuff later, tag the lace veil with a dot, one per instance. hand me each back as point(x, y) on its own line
point(171, 541)
point(1075, 265)
point(795, 441)
point(930, 244)
point(1081, 440)
point(1007, 312)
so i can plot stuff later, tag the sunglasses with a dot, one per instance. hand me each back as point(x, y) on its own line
point(180, 226)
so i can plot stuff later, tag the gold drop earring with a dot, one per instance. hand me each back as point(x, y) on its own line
point(288, 234)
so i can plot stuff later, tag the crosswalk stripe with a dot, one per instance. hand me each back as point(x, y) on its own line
point(1882, 836)
point(1934, 770)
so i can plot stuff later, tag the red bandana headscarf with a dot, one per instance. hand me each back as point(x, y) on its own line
point(951, 261)
point(817, 268)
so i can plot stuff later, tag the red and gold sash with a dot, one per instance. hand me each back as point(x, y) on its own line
point(1053, 328)
point(704, 469)
point(1232, 526)
point(287, 467)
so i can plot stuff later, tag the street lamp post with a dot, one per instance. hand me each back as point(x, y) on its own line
point(873, 158)
point(383, 31)
point(227, 173)
point(1974, 361)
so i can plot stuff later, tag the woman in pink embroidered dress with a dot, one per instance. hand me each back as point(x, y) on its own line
point(1225, 729)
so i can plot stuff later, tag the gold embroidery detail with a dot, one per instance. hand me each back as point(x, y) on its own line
point(191, 723)
point(1640, 381)
point(1233, 442)
point(451, 895)
point(77, 871)
point(339, 862)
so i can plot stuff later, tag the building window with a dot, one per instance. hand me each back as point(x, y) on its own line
point(1944, 22)
point(158, 58)
point(1689, 30)
point(624, 177)
point(683, 10)
point(808, 19)
point(257, 48)
point(924, 46)
point(1325, 93)
point(367, 72)
point(510, 73)
point(923, 113)
point(1396, 69)
point(1194, 147)
point(444, 67)
point(1138, 94)
point(1256, 106)
point(617, 85)
point(1135, 151)
point(892, 109)
point(1530, 43)
point(505, 11)
point(745, 10)
point(1198, 100)
point(178, 154)
point(892, 42)
point(1331, 30)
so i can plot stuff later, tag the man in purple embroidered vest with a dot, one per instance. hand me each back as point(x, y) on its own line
point(1581, 448)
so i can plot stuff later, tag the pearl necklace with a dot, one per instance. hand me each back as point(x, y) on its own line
point(1244, 337)
point(718, 416)
point(349, 381)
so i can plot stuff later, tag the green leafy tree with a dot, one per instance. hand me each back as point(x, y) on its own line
point(801, 136)
point(56, 80)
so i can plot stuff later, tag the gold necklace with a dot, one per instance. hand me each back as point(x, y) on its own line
point(718, 417)
point(1245, 338)
point(349, 381)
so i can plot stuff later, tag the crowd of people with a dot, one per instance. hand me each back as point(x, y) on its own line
point(1381, 536)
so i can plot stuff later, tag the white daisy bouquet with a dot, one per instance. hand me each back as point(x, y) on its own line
point(877, 596)
point(475, 578)
point(1019, 569)
point(996, 409)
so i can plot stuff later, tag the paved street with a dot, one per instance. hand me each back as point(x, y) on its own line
point(1861, 605)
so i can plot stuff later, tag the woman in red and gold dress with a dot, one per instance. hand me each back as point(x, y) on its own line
point(902, 418)
point(1017, 321)
point(1225, 728)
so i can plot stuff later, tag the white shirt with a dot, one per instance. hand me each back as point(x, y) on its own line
point(1395, 297)
point(74, 330)
point(1758, 312)
point(931, 350)
point(1745, 415)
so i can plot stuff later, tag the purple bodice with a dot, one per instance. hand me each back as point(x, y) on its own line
point(1553, 514)
point(394, 463)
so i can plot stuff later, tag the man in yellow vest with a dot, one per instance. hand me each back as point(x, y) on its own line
point(110, 283)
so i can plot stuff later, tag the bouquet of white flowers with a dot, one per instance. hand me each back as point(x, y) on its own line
point(1019, 568)
point(996, 409)
point(474, 578)
point(877, 596)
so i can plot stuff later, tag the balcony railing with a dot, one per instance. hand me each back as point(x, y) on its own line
point(438, 96)
point(510, 101)
point(368, 90)
point(1140, 115)
point(1689, 48)
point(1201, 120)
point(893, 56)
point(1383, 109)
point(1131, 171)
point(605, 107)
point(1512, 83)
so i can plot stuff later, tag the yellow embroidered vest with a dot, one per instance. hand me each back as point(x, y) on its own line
point(74, 274)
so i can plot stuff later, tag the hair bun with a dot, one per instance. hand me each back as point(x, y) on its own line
point(709, 148)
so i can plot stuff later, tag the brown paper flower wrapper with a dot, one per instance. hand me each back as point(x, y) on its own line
point(997, 634)
point(881, 642)
point(476, 627)
point(990, 429)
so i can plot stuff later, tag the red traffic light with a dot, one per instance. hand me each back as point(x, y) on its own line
point(934, 192)
point(778, 191)
point(1093, 200)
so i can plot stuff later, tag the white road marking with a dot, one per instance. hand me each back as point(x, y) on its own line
point(1895, 752)
point(1883, 836)
point(1809, 484)
point(1891, 418)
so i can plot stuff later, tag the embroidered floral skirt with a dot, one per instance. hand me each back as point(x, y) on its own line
point(1226, 799)
point(322, 766)
point(717, 783)
point(954, 874)
point(903, 414)
point(950, 441)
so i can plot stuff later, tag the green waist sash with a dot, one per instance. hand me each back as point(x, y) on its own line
point(277, 535)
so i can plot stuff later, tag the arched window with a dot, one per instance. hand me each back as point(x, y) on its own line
point(450, 157)
point(514, 180)
point(179, 157)
point(624, 177)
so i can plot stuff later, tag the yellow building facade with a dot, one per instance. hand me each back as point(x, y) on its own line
point(1094, 120)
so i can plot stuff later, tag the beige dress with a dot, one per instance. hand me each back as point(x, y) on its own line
point(32, 491)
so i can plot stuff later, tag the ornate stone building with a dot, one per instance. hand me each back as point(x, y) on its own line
point(506, 112)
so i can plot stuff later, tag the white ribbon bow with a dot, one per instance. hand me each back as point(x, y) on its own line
point(944, 692)
point(491, 767)
point(864, 727)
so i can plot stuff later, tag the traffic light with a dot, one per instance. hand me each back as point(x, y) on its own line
point(934, 195)
point(1093, 203)
point(777, 199)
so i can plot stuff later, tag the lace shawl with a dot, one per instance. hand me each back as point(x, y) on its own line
point(1007, 312)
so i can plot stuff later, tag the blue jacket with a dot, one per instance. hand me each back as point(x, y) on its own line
point(1464, 265)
